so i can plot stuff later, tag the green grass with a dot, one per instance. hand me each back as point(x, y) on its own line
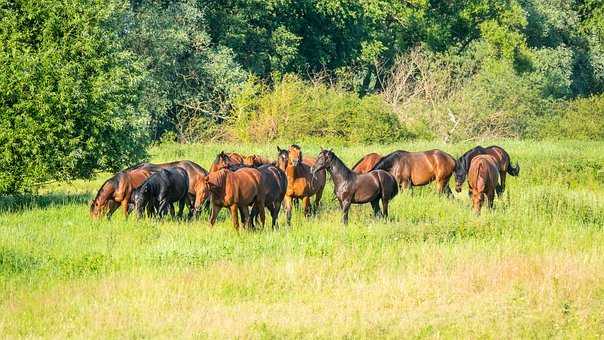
point(533, 267)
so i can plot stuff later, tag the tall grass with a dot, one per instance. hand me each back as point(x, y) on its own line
point(533, 267)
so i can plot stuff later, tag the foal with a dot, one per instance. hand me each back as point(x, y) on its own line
point(351, 187)
point(483, 180)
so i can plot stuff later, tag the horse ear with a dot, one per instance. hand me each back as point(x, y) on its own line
point(279, 149)
point(322, 149)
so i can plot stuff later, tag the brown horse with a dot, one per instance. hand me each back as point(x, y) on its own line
point(117, 190)
point(223, 160)
point(483, 179)
point(301, 182)
point(256, 161)
point(274, 183)
point(235, 190)
point(504, 164)
point(365, 164)
point(351, 187)
point(419, 168)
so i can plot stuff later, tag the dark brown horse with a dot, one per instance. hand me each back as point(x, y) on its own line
point(161, 190)
point(256, 161)
point(504, 164)
point(483, 179)
point(351, 187)
point(274, 183)
point(301, 182)
point(235, 190)
point(419, 168)
point(224, 160)
point(365, 164)
point(117, 190)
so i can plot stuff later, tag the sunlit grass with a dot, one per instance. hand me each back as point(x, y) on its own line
point(532, 267)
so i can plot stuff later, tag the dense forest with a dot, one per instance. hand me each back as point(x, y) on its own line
point(86, 85)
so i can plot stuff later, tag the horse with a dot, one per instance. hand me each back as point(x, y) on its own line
point(504, 164)
point(223, 160)
point(117, 190)
point(301, 182)
point(351, 187)
point(419, 168)
point(483, 178)
point(236, 190)
point(256, 161)
point(161, 190)
point(365, 164)
point(274, 183)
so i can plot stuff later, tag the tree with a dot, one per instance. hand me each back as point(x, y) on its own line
point(69, 92)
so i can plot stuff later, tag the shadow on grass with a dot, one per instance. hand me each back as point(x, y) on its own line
point(10, 204)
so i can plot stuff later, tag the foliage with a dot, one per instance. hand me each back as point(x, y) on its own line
point(69, 92)
point(295, 110)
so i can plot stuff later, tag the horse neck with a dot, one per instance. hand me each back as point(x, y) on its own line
point(339, 171)
point(105, 191)
point(220, 183)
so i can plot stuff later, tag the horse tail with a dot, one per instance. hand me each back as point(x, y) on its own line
point(387, 162)
point(513, 170)
point(480, 180)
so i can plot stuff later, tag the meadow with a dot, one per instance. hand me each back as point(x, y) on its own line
point(532, 267)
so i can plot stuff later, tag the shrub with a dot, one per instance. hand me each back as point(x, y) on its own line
point(294, 110)
point(582, 118)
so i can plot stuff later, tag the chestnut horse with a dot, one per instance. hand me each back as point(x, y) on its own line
point(223, 160)
point(117, 190)
point(301, 182)
point(161, 190)
point(236, 190)
point(351, 187)
point(419, 168)
point(256, 160)
point(365, 164)
point(483, 179)
point(504, 164)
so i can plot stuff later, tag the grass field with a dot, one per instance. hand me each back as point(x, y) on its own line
point(533, 267)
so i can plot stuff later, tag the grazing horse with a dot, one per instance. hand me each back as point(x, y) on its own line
point(161, 190)
point(117, 190)
point(419, 168)
point(274, 183)
point(351, 187)
point(365, 164)
point(301, 182)
point(255, 161)
point(504, 164)
point(236, 190)
point(483, 179)
point(223, 160)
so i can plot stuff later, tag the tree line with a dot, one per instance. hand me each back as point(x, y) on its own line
point(86, 85)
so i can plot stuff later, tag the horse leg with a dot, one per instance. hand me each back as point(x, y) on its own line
point(171, 206)
point(181, 206)
point(245, 215)
point(500, 188)
point(318, 196)
point(274, 209)
point(124, 204)
point(306, 201)
point(345, 209)
point(214, 214)
point(287, 201)
point(490, 198)
point(260, 205)
point(113, 206)
point(234, 217)
point(375, 204)
point(385, 207)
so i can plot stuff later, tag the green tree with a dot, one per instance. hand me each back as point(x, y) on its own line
point(69, 92)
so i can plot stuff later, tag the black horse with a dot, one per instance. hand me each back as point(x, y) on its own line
point(351, 187)
point(504, 165)
point(161, 190)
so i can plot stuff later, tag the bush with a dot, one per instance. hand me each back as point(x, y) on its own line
point(582, 118)
point(69, 93)
point(293, 110)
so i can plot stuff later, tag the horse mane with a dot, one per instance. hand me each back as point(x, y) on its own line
point(337, 160)
point(387, 162)
point(136, 166)
point(463, 160)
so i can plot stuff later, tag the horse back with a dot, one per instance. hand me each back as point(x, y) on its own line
point(365, 164)
point(500, 155)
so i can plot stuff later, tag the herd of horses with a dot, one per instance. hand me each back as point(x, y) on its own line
point(247, 185)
